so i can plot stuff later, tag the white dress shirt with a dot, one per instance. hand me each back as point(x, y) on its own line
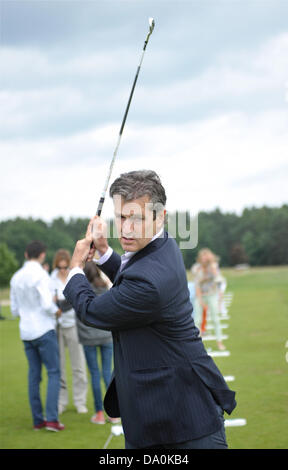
point(124, 258)
point(31, 299)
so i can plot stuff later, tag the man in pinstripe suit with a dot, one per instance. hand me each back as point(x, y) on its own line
point(166, 388)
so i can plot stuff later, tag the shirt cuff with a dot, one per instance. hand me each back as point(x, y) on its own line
point(73, 272)
point(104, 257)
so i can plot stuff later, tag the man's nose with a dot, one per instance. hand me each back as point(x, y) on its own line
point(128, 226)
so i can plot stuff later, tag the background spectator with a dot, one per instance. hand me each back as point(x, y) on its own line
point(68, 337)
point(97, 341)
point(31, 299)
point(207, 286)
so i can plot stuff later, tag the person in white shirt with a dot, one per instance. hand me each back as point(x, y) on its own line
point(68, 336)
point(32, 301)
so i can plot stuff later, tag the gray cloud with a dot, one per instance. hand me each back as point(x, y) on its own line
point(46, 97)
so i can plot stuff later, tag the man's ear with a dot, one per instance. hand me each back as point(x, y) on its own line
point(42, 257)
point(160, 219)
point(25, 254)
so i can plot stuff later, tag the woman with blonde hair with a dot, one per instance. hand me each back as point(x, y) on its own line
point(68, 337)
point(207, 283)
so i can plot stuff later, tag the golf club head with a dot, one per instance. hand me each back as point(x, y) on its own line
point(151, 24)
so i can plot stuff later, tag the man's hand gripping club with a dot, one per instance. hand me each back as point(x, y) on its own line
point(95, 239)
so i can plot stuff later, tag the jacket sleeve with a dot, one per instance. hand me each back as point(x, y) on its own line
point(131, 304)
point(110, 268)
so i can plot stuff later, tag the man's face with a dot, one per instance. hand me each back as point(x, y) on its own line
point(134, 222)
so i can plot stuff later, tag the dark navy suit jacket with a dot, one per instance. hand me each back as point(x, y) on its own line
point(165, 385)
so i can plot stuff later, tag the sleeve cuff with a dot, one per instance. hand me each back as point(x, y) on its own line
point(104, 257)
point(73, 272)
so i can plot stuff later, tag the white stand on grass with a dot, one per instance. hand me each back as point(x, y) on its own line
point(213, 337)
point(235, 422)
point(211, 327)
point(229, 378)
point(219, 353)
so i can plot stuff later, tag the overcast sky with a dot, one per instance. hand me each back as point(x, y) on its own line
point(209, 112)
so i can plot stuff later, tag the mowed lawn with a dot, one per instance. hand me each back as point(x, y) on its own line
point(258, 333)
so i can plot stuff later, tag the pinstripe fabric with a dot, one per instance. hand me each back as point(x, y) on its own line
point(165, 385)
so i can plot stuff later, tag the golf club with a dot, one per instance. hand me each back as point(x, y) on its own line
point(103, 194)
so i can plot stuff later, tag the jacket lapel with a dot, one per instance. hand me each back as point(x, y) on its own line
point(153, 246)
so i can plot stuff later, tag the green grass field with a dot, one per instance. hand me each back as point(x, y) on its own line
point(258, 332)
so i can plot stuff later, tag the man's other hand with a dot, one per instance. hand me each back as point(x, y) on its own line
point(85, 250)
point(98, 231)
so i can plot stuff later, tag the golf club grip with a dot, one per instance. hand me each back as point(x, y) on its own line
point(100, 205)
point(99, 210)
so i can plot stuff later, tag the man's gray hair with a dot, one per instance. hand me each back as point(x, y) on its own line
point(136, 184)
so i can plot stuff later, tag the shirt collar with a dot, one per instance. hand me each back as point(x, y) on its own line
point(128, 254)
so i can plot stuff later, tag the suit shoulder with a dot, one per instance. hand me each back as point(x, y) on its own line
point(157, 264)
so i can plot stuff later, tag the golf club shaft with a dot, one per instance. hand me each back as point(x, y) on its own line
point(103, 194)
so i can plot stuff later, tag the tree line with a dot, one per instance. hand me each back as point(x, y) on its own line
point(258, 236)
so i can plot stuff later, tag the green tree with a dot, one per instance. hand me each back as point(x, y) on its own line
point(17, 233)
point(258, 234)
point(8, 265)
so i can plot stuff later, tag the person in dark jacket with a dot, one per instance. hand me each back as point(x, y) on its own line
point(166, 388)
point(96, 341)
